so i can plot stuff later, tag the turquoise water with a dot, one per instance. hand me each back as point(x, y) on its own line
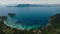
point(28, 17)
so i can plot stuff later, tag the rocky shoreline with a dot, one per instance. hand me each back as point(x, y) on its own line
point(52, 27)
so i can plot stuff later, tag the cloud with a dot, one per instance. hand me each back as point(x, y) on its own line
point(2, 2)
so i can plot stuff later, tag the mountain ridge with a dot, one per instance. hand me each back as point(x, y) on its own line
point(33, 5)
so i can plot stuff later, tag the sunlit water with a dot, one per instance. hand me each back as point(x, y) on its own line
point(28, 17)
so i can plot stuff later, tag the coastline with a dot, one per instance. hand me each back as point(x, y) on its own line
point(51, 27)
point(18, 26)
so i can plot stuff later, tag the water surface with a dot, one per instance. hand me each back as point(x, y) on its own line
point(28, 17)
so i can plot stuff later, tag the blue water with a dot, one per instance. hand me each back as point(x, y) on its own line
point(28, 17)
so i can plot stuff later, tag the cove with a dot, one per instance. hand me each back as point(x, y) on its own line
point(28, 17)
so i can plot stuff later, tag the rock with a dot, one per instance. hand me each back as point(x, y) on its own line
point(3, 18)
point(55, 20)
point(11, 14)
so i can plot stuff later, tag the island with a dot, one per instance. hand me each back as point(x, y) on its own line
point(35, 5)
point(29, 5)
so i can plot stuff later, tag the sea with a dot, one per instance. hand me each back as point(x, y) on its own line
point(28, 17)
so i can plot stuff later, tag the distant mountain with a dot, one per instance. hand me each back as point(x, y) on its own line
point(33, 5)
point(28, 5)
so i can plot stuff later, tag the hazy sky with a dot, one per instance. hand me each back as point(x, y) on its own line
point(3, 2)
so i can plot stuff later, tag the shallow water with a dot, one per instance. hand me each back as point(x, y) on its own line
point(28, 17)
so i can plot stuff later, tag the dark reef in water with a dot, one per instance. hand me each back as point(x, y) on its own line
point(11, 14)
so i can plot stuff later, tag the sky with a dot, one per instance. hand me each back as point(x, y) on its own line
point(5, 2)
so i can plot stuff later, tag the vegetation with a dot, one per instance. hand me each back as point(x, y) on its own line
point(53, 27)
point(29, 5)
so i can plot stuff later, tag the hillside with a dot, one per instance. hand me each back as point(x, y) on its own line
point(34, 5)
